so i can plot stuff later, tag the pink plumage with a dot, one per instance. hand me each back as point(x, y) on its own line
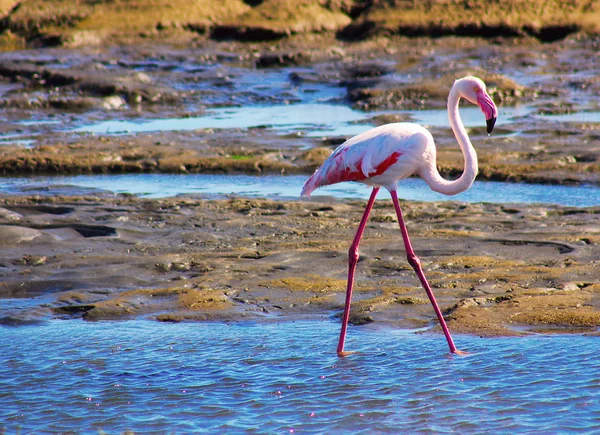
point(378, 157)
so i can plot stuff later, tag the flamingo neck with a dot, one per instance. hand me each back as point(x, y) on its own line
point(431, 174)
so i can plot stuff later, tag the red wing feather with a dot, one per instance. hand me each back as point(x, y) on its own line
point(337, 169)
point(340, 171)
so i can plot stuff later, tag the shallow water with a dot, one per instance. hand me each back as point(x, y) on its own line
point(315, 120)
point(320, 119)
point(284, 377)
point(289, 187)
point(578, 117)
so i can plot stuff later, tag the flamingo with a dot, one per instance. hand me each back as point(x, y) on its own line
point(382, 156)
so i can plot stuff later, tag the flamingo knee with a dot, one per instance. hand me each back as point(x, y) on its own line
point(413, 260)
point(353, 254)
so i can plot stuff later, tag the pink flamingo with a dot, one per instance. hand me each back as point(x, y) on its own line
point(382, 156)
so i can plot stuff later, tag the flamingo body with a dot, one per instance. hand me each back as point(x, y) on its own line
point(378, 157)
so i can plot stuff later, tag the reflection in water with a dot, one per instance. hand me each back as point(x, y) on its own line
point(284, 377)
point(210, 185)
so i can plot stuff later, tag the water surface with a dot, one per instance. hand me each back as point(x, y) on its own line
point(284, 377)
point(314, 119)
point(289, 187)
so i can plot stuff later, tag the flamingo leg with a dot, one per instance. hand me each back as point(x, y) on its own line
point(352, 260)
point(415, 262)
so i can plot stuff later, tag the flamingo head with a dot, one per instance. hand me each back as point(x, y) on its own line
point(473, 89)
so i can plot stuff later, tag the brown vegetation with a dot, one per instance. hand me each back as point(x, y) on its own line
point(92, 22)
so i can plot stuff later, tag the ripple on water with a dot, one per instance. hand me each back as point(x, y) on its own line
point(274, 378)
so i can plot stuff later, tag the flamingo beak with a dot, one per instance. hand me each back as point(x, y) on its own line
point(490, 124)
point(487, 106)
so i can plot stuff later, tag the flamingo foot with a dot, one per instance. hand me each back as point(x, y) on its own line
point(344, 353)
point(460, 352)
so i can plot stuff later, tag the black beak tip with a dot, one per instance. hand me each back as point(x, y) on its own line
point(490, 124)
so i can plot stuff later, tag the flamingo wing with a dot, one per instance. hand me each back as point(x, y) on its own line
point(378, 156)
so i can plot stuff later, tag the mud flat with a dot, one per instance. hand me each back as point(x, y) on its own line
point(548, 130)
point(496, 269)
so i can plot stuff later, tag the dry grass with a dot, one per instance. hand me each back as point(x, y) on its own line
point(6, 5)
point(293, 16)
point(116, 18)
point(511, 14)
point(84, 22)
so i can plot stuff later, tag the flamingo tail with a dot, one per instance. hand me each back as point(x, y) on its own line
point(314, 182)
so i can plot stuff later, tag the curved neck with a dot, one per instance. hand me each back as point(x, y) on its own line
point(431, 174)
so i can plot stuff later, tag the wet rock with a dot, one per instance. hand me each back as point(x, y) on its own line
point(82, 38)
point(77, 104)
point(130, 87)
point(360, 30)
point(292, 258)
point(363, 75)
point(134, 88)
point(389, 118)
point(405, 97)
point(366, 70)
point(20, 320)
point(278, 59)
point(113, 102)
point(410, 301)
point(570, 286)
point(73, 310)
point(34, 260)
point(17, 71)
point(246, 33)
point(9, 215)
point(43, 209)
point(12, 234)
point(315, 156)
point(359, 319)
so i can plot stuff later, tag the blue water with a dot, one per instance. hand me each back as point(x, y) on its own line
point(320, 119)
point(315, 119)
point(577, 117)
point(415, 189)
point(282, 378)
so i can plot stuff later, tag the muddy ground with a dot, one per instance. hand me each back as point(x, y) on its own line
point(48, 94)
point(496, 269)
